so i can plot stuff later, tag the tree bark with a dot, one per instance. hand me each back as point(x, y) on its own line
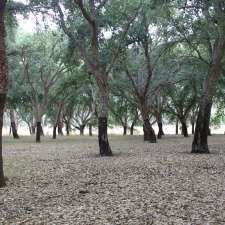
point(160, 132)
point(3, 82)
point(2, 105)
point(60, 131)
point(105, 149)
point(90, 130)
point(67, 128)
point(124, 130)
point(177, 127)
point(184, 128)
point(42, 131)
point(132, 129)
point(149, 133)
point(192, 127)
point(38, 132)
point(13, 124)
point(200, 142)
point(82, 130)
point(54, 132)
point(104, 146)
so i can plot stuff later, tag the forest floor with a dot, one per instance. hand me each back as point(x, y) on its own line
point(65, 182)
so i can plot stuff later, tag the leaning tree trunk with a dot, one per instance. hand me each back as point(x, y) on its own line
point(38, 132)
point(13, 124)
point(200, 142)
point(104, 146)
point(3, 83)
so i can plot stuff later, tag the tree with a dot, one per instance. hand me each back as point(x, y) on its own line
point(3, 82)
point(92, 50)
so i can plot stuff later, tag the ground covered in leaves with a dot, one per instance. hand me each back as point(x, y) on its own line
point(65, 182)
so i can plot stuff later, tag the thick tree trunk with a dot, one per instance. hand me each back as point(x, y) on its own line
point(38, 132)
point(3, 83)
point(82, 130)
point(13, 124)
point(54, 132)
point(124, 130)
point(177, 127)
point(105, 149)
point(149, 133)
point(42, 131)
point(104, 146)
point(184, 128)
point(132, 129)
point(2, 105)
point(90, 130)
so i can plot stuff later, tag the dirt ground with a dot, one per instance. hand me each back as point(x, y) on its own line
point(65, 182)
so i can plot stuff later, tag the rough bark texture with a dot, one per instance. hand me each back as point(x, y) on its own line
point(2, 105)
point(54, 132)
point(149, 133)
point(3, 83)
point(38, 132)
point(13, 124)
point(105, 149)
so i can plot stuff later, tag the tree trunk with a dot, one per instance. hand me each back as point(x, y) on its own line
point(149, 133)
point(160, 132)
point(177, 127)
point(60, 131)
point(38, 132)
point(2, 105)
point(200, 142)
point(184, 128)
point(192, 127)
point(54, 132)
point(67, 128)
point(209, 132)
point(82, 130)
point(90, 130)
point(3, 83)
point(124, 130)
point(13, 124)
point(132, 129)
point(104, 146)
